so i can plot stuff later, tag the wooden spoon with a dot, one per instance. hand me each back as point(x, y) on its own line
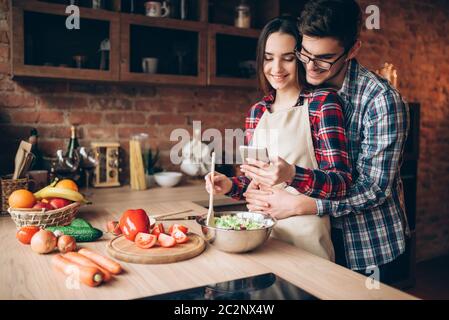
point(210, 213)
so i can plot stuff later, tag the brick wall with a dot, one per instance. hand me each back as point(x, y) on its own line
point(413, 36)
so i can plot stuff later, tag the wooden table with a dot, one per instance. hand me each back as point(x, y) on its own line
point(27, 275)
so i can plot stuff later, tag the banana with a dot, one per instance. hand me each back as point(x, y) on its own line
point(55, 192)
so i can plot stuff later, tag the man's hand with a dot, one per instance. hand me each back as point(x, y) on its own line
point(276, 172)
point(256, 205)
point(222, 184)
point(279, 203)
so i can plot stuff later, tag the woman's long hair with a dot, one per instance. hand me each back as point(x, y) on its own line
point(287, 25)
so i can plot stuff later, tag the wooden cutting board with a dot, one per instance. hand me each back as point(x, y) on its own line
point(126, 250)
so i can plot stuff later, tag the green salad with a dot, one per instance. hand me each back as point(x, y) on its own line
point(237, 223)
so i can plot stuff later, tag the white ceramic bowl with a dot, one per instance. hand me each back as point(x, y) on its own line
point(168, 179)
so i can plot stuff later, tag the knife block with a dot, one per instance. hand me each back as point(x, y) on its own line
point(107, 171)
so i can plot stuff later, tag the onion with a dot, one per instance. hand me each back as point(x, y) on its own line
point(66, 244)
point(43, 241)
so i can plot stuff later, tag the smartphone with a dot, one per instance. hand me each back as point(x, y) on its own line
point(257, 153)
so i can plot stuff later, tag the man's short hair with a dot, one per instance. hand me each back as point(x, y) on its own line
point(339, 19)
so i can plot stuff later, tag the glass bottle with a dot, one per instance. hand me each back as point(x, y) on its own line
point(38, 163)
point(73, 144)
point(242, 15)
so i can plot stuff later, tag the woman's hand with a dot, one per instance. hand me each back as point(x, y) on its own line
point(222, 184)
point(256, 205)
point(278, 203)
point(271, 174)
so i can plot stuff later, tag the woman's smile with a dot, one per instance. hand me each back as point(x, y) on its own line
point(280, 77)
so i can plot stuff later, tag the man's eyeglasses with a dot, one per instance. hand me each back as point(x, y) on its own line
point(318, 63)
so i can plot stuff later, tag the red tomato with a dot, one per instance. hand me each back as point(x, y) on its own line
point(134, 221)
point(179, 236)
point(155, 231)
point(158, 229)
point(145, 240)
point(160, 225)
point(114, 228)
point(25, 234)
point(166, 241)
point(180, 227)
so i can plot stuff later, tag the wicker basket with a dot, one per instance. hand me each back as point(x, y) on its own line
point(50, 218)
point(8, 186)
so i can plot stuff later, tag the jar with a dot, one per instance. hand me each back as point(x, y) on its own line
point(242, 16)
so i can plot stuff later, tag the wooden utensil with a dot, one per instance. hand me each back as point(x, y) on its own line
point(126, 250)
point(210, 221)
point(163, 215)
point(24, 148)
point(29, 157)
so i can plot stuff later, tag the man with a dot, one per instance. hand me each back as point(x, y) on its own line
point(369, 226)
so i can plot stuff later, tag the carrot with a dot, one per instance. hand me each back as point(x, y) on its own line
point(106, 263)
point(82, 260)
point(88, 275)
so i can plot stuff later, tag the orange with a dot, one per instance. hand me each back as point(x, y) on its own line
point(67, 184)
point(21, 199)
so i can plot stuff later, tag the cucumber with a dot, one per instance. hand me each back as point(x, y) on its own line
point(81, 234)
point(81, 223)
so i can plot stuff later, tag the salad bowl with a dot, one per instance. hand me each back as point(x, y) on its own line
point(237, 231)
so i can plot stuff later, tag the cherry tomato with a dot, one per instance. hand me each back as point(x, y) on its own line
point(145, 240)
point(25, 234)
point(134, 221)
point(180, 237)
point(166, 241)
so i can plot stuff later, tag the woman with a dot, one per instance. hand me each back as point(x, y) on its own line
point(304, 133)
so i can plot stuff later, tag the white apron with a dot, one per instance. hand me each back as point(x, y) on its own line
point(286, 133)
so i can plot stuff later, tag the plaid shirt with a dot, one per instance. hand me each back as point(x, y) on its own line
point(373, 215)
point(333, 178)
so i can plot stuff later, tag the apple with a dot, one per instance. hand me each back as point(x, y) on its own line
point(57, 203)
point(42, 205)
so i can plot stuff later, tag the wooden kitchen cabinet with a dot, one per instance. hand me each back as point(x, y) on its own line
point(232, 56)
point(43, 47)
point(212, 51)
point(179, 47)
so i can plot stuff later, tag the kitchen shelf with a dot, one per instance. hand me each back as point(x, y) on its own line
point(36, 43)
point(229, 47)
point(161, 38)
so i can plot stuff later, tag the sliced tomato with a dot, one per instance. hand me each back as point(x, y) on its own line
point(114, 228)
point(158, 229)
point(180, 237)
point(166, 241)
point(180, 227)
point(160, 225)
point(145, 240)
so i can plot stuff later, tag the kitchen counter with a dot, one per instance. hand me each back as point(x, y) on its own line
point(27, 275)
